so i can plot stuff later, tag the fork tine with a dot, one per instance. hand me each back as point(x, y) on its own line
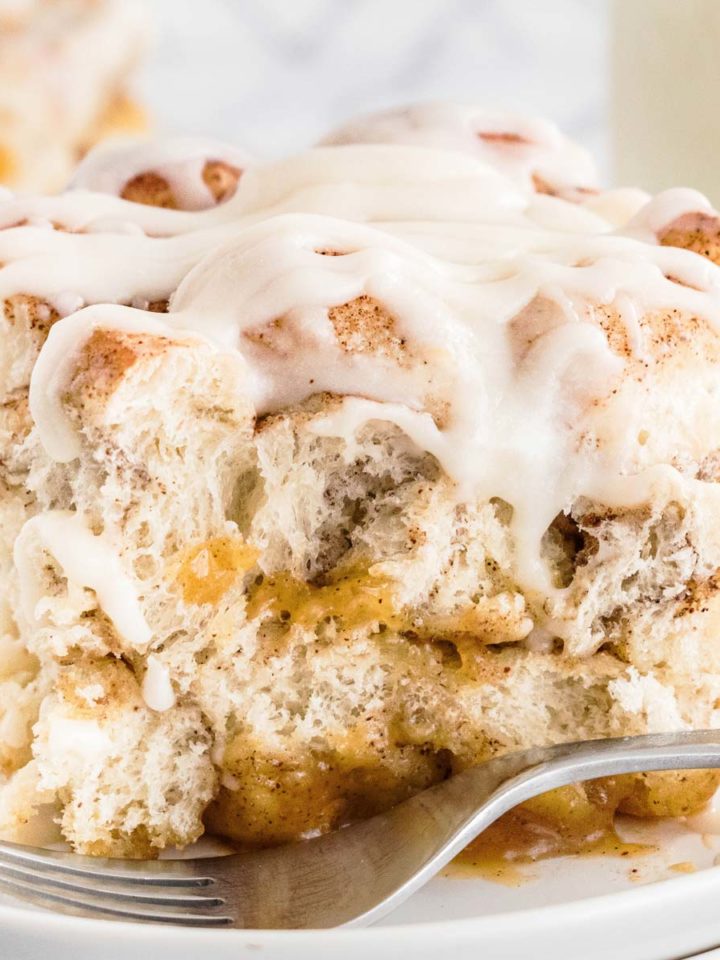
point(51, 900)
point(169, 873)
point(134, 894)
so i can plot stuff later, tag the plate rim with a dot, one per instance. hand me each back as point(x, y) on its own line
point(572, 912)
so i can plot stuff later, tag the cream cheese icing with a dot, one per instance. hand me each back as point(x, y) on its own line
point(435, 215)
point(179, 162)
point(157, 688)
point(86, 560)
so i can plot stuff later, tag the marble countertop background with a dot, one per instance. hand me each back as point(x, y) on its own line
point(273, 75)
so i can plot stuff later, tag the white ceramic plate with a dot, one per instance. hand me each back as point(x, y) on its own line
point(646, 908)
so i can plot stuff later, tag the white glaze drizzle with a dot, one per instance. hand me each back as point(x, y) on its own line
point(87, 560)
point(453, 242)
point(157, 688)
point(55, 365)
point(179, 161)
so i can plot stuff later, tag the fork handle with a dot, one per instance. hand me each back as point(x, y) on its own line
point(502, 784)
point(355, 876)
point(436, 825)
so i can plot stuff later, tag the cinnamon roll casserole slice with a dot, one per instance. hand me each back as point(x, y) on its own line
point(326, 477)
point(65, 69)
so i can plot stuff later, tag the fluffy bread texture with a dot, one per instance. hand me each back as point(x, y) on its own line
point(370, 642)
point(331, 630)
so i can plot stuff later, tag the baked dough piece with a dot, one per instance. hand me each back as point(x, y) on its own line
point(377, 463)
point(65, 67)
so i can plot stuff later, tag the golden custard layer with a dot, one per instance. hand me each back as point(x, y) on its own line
point(285, 802)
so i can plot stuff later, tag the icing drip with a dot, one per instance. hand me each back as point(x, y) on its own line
point(86, 560)
point(57, 362)
point(157, 689)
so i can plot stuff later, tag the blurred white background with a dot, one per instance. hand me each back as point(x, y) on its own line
point(274, 75)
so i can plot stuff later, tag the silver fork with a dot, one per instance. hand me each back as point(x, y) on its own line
point(348, 878)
